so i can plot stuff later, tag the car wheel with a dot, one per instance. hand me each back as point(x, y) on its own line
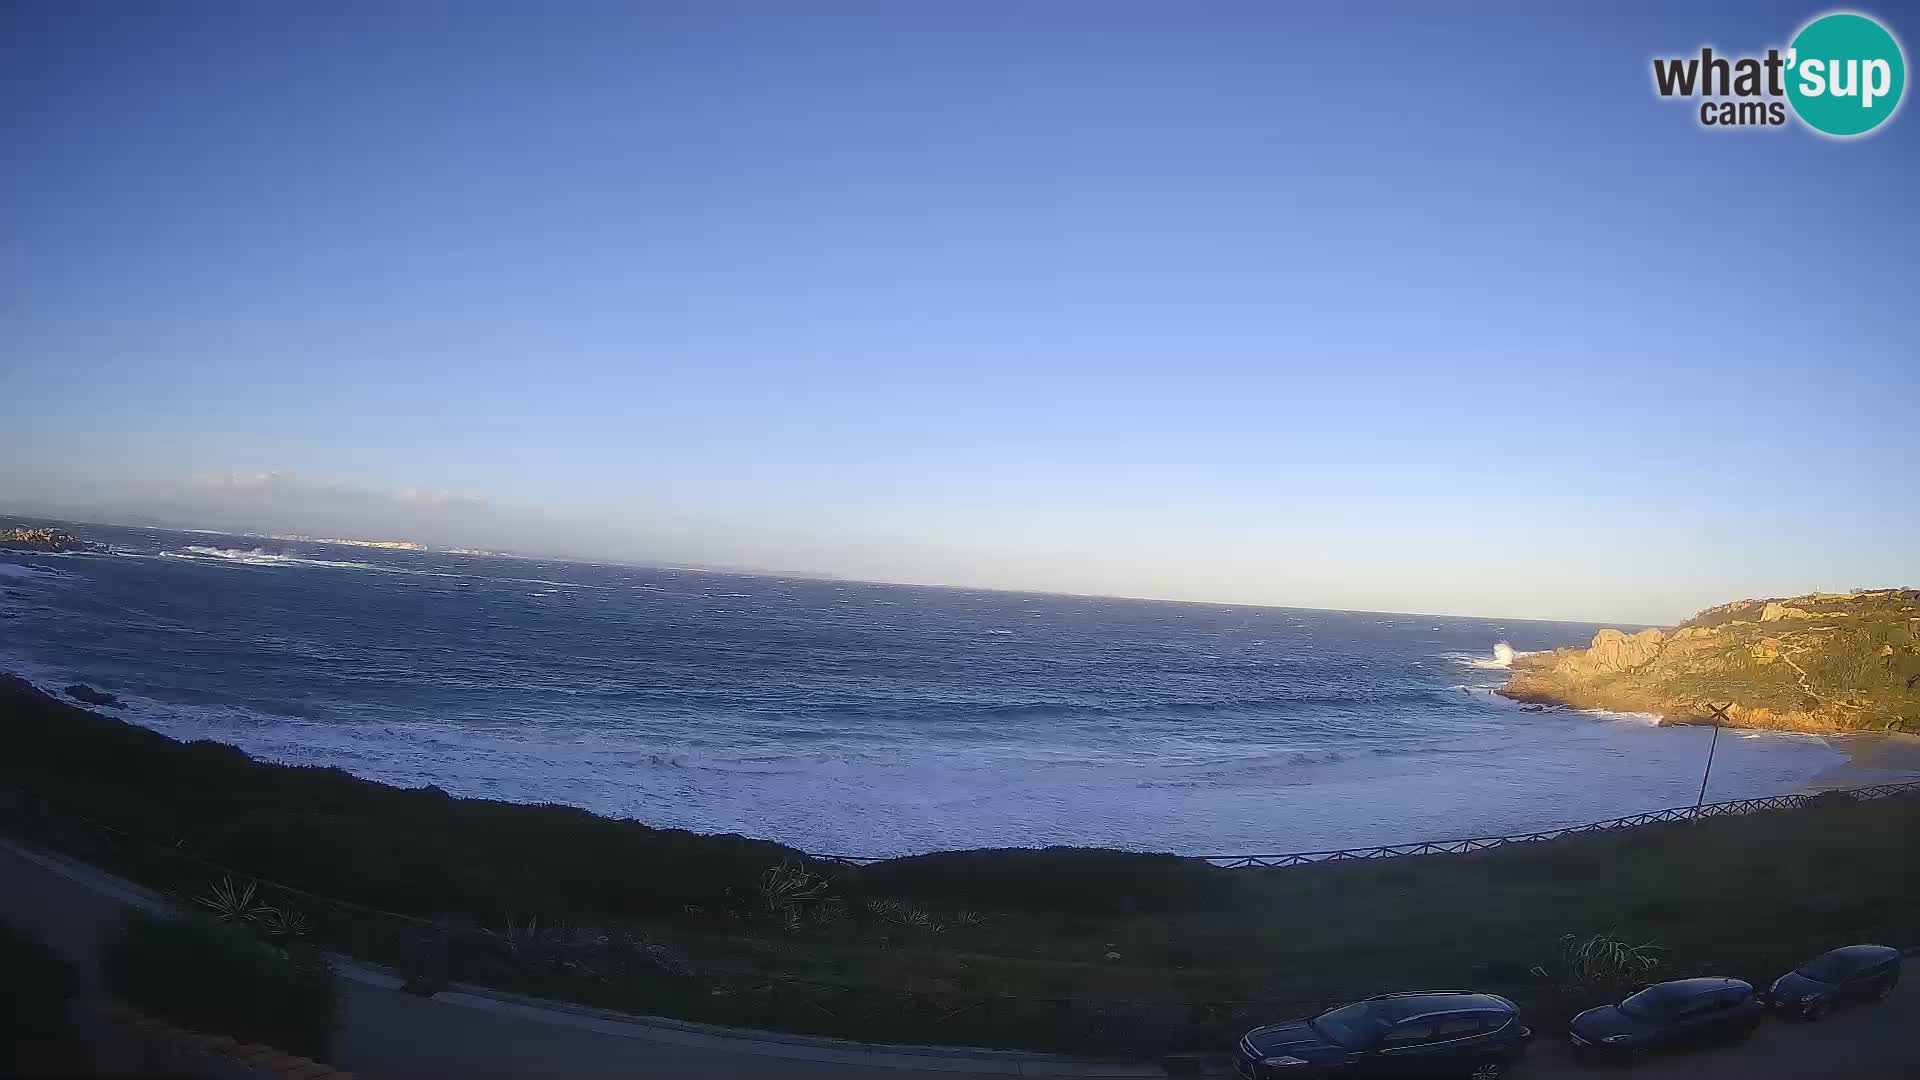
point(1883, 990)
point(1817, 1010)
point(1488, 1070)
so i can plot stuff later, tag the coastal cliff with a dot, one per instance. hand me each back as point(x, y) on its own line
point(1827, 662)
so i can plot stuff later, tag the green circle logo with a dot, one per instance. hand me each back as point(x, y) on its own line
point(1845, 74)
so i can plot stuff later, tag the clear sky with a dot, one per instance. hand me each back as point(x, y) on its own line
point(1317, 306)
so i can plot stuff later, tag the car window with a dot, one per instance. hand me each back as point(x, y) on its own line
point(1653, 1003)
point(1459, 1027)
point(1827, 969)
point(1353, 1026)
point(1701, 1005)
point(1412, 1033)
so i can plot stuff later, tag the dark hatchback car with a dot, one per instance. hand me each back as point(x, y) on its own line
point(1669, 1015)
point(1853, 973)
point(1438, 1033)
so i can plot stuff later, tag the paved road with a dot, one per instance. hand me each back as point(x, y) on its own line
point(387, 1035)
point(1867, 1041)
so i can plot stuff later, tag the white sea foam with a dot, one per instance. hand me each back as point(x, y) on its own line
point(1500, 660)
point(556, 584)
point(263, 557)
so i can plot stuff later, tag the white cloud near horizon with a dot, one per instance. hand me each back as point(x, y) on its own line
point(288, 485)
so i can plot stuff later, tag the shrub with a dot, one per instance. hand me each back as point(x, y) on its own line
point(1602, 965)
point(790, 891)
point(896, 913)
point(35, 986)
point(217, 979)
point(229, 903)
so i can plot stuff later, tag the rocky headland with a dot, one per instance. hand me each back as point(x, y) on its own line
point(1826, 662)
point(48, 540)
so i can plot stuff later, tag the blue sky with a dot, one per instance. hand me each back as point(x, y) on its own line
point(1371, 308)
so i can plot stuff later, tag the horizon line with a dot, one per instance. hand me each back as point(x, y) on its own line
point(799, 575)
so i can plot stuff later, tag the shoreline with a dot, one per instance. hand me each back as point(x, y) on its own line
point(1901, 761)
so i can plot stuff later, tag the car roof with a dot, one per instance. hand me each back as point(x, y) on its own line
point(1861, 954)
point(1705, 984)
point(1425, 1002)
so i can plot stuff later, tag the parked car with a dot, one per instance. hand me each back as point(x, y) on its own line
point(1435, 1033)
point(1667, 1015)
point(1851, 973)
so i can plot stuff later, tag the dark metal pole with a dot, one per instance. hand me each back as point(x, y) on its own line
point(1711, 747)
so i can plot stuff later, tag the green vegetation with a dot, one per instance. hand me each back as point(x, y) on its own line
point(1823, 662)
point(1076, 950)
point(213, 977)
point(36, 984)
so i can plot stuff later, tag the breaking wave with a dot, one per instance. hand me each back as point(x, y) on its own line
point(1500, 660)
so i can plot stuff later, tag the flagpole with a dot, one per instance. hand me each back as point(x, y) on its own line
point(1719, 714)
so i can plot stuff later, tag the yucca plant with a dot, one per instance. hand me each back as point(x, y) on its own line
point(231, 904)
point(790, 883)
point(281, 924)
point(524, 939)
point(788, 890)
point(1603, 963)
point(900, 913)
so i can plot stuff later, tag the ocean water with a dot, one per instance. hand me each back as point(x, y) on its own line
point(855, 718)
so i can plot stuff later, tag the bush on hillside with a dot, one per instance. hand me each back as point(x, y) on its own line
point(412, 851)
point(217, 979)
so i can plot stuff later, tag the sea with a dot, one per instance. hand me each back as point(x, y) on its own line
point(862, 719)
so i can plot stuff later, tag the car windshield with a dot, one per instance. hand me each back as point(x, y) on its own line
point(1352, 1026)
point(1653, 1003)
point(1829, 968)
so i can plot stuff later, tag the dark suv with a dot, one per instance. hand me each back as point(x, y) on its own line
point(1435, 1033)
point(1666, 1015)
